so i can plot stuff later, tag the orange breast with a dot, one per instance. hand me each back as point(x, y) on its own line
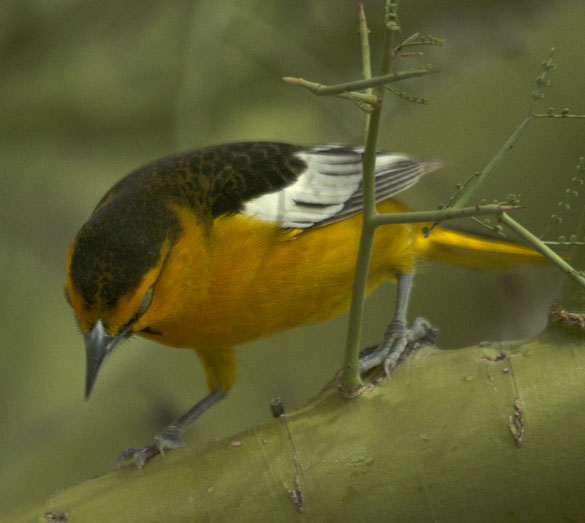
point(249, 279)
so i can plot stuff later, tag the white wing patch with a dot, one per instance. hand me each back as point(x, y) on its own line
point(330, 187)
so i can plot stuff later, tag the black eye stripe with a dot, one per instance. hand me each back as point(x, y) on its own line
point(151, 331)
point(144, 305)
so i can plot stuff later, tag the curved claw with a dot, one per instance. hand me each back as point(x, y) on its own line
point(166, 440)
point(139, 455)
point(396, 346)
point(397, 341)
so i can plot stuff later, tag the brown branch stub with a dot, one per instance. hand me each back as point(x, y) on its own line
point(362, 13)
point(563, 317)
point(291, 80)
point(277, 407)
point(296, 494)
point(516, 424)
point(61, 516)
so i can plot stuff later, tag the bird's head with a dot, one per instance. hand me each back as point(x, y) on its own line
point(113, 265)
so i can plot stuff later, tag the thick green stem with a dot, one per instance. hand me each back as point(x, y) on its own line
point(350, 379)
point(438, 442)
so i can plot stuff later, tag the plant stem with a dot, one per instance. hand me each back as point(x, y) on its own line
point(476, 183)
point(538, 245)
point(572, 295)
point(441, 215)
point(561, 115)
point(350, 379)
point(376, 81)
point(366, 62)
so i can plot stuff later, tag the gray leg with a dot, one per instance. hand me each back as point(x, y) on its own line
point(170, 437)
point(397, 336)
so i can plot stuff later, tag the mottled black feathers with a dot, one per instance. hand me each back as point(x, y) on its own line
point(215, 180)
point(122, 239)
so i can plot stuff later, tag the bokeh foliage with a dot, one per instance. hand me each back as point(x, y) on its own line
point(94, 89)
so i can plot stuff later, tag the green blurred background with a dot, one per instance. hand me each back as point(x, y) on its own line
point(93, 89)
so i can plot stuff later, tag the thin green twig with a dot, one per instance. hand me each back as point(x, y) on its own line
point(357, 85)
point(566, 243)
point(572, 296)
point(478, 180)
point(366, 62)
point(492, 209)
point(557, 115)
point(538, 245)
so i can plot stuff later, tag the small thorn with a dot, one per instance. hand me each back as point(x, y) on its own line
point(291, 80)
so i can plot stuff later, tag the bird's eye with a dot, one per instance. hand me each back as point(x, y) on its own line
point(66, 293)
point(146, 301)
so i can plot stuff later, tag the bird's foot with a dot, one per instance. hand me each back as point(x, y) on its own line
point(168, 439)
point(398, 342)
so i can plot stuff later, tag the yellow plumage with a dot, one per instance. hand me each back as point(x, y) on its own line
point(251, 279)
point(224, 245)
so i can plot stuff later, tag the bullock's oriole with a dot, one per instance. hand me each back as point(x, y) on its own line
point(215, 247)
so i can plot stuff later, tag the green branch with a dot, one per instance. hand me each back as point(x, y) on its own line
point(350, 382)
point(416, 39)
point(440, 433)
point(492, 209)
point(376, 81)
point(558, 115)
point(476, 182)
point(366, 62)
point(539, 245)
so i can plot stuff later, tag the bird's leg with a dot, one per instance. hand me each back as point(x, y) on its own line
point(170, 437)
point(397, 336)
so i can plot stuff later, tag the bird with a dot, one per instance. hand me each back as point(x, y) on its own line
point(211, 248)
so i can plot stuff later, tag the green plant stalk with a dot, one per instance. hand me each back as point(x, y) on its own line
point(413, 44)
point(566, 243)
point(572, 296)
point(538, 245)
point(366, 62)
point(350, 378)
point(359, 97)
point(476, 183)
point(376, 81)
point(558, 115)
point(441, 215)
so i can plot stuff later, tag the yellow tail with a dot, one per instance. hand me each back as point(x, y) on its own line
point(475, 252)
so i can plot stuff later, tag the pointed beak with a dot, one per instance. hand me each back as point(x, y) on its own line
point(98, 346)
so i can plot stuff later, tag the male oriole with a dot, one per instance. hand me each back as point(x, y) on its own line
point(215, 247)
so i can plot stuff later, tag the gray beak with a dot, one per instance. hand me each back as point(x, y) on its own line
point(98, 345)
